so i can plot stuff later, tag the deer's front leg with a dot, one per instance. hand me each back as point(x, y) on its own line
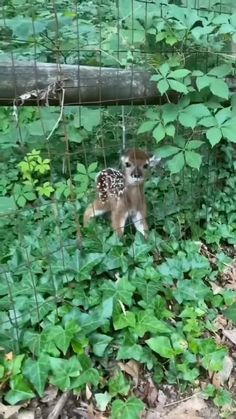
point(118, 219)
point(140, 222)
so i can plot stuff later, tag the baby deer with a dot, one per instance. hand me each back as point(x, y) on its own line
point(122, 193)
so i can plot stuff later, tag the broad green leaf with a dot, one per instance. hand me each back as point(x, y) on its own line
point(170, 130)
point(193, 159)
point(221, 71)
point(179, 74)
point(90, 376)
point(161, 345)
point(167, 151)
point(118, 385)
point(20, 390)
point(194, 144)
point(147, 126)
point(230, 313)
point(176, 164)
point(37, 372)
point(102, 400)
point(129, 409)
point(198, 110)
point(187, 120)
point(219, 88)
point(202, 82)
point(214, 360)
point(214, 135)
point(124, 320)
point(159, 133)
point(7, 204)
point(229, 133)
point(177, 86)
point(100, 343)
point(147, 322)
point(163, 86)
point(164, 69)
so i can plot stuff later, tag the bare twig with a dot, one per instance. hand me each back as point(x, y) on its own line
point(54, 414)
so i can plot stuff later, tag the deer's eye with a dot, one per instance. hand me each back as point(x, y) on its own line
point(145, 166)
point(127, 164)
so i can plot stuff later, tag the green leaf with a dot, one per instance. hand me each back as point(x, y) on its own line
point(202, 82)
point(170, 130)
point(124, 320)
point(163, 86)
point(129, 409)
point(20, 390)
point(221, 71)
point(159, 133)
point(230, 313)
point(7, 204)
point(194, 144)
point(102, 400)
point(167, 151)
point(147, 322)
point(118, 385)
point(176, 164)
point(177, 86)
point(147, 126)
point(193, 159)
point(219, 88)
point(37, 372)
point(161, 345)
point(214, 135)
point(100, 343)
point(229, 133)
point(179, 74)
point(187, 120)
point(164, 69)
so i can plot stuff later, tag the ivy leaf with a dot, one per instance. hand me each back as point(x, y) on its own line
point(129, 409)
point(159, 133)
point(170, 130)
point(7, 204)
point(37, 372)
point(102, 400)
point(177, 86)
point(118, 385)
point(193, 159)
point(219, 88)
point(230, 313)
point(229, 133)
point(100, 343)
point(176, 164)
point(161, 345)
point(20, 390)
point(214, 135)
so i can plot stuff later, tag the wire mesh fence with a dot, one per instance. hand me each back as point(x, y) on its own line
point(51, 155)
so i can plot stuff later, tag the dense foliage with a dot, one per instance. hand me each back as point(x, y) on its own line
point(67, 316)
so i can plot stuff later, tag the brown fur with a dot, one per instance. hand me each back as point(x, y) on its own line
point(132, 202)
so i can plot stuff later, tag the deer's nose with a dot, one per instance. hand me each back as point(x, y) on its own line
point(137, 173)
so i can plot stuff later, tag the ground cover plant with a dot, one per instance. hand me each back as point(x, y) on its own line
point(117, 321)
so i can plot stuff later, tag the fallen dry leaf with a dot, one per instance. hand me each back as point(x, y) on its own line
point(152, 396)
point(231, 335)
point(50, 394)
point(131, 368)
point(161, 398)
point(222, 376)
point(88, 393)
point(187, 409)
point(151, 414)
point(8, 411)
point(26, 414)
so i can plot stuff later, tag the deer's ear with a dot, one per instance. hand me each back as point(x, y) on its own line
point(154, 160)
